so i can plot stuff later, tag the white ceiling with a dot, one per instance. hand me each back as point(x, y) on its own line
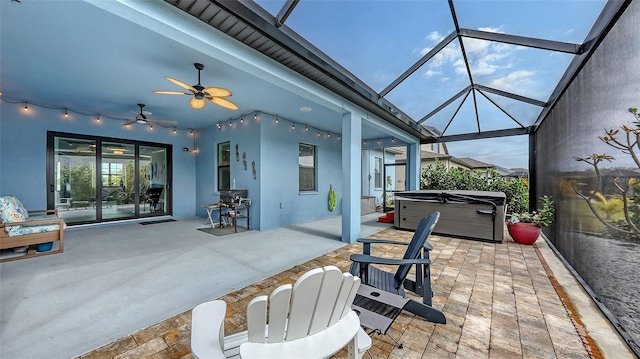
point(75, 55)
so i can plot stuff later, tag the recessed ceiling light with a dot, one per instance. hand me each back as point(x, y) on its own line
point(305, 109)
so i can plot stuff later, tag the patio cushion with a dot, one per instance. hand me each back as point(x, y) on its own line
point(21, 230)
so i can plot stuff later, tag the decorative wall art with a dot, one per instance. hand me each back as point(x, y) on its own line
point(237, 153)
point(253, 168)
point(244, 160)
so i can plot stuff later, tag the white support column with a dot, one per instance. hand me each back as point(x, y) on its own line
point(413, 166)
point(351, 186)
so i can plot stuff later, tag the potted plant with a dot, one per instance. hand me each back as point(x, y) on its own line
point(525, 227)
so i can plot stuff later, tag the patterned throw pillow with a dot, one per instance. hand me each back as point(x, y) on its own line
point(11, 210)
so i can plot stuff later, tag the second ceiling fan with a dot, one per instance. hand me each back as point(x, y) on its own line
point(201, 94)
point(142, 118)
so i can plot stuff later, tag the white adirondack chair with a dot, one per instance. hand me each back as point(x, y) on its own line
point(311, 319)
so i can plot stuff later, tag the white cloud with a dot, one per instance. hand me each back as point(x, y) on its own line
point(430, 73)
point(513, 81)
point(475, 46)
point(435, 36)
point(492, 29)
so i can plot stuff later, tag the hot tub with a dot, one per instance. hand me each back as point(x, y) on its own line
point(467, 214)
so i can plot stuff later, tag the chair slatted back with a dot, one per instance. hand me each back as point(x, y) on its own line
point(424, 229)
point(319, 299)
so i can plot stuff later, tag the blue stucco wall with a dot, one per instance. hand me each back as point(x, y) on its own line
point(278, 173)
point(23, 140)
point(246, 135)
point(274, 193)
point(276, 200)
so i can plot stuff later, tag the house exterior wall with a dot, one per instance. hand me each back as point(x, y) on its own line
point(23, 141)
point(274, 193)
point(276, 200)
point(598, 98)
point(368, 173)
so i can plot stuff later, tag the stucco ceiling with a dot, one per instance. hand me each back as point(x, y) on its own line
point(75, 55)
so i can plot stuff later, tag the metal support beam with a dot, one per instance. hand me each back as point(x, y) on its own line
point(419, 63)
point(533, 193)
point(445, 104)
point(483, 135)
point(522, 41)
point(510, 95)
point(286, 10)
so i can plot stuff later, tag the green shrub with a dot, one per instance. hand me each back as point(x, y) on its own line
point(438, 177)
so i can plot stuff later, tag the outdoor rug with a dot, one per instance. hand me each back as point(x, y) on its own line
point(158, 221)
point(222, 231)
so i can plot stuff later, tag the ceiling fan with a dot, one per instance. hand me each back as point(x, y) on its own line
point(201, 94)
point(142, 119)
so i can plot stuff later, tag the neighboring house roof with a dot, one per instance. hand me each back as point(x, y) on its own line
point(503, 171)
point(424, 155)
point(518, 174)
point(473, 164)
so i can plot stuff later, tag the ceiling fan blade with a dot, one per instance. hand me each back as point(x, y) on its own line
point(217, 92)
point(129, 122)
point(163, 121)
point(224, 103)
point(182, 84)
point(167, 92)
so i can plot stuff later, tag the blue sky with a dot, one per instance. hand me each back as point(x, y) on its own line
point(378, 40)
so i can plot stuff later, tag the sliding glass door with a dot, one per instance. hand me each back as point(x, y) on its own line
point(93, 179)
point(117, 181)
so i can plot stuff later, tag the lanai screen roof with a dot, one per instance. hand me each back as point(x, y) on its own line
point(454, 66)
point(448, 70)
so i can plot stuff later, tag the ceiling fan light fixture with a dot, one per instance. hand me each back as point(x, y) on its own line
point(197, 103)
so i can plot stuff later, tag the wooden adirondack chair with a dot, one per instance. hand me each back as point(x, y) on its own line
point(311, 319)
point(416, 254)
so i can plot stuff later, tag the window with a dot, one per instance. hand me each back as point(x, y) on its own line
point(307, 167)
point(434, 147)
point(224, 165)
point(112, 174)
point(377, 172)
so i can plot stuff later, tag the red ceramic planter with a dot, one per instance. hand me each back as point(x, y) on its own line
point(524, 233)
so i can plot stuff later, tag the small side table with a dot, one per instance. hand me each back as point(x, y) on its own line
point(378, 309)
point(210, 208)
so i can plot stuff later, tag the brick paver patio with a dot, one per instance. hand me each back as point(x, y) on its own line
point(498, 299)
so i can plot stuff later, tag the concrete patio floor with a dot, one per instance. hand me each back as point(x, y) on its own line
point(501, 301)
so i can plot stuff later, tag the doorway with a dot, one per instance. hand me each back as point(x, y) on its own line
point(395, 175)
point(95, 179)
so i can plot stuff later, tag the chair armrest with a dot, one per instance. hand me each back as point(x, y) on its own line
point(367, 242)
point(36, 222)
point(207, 330)
point(366, 259)
point(380, 241)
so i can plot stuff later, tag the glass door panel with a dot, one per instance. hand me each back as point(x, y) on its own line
point(395, 181)
point(154, 183)
point(117, 181)
point(74, 185)
point(92, 179)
